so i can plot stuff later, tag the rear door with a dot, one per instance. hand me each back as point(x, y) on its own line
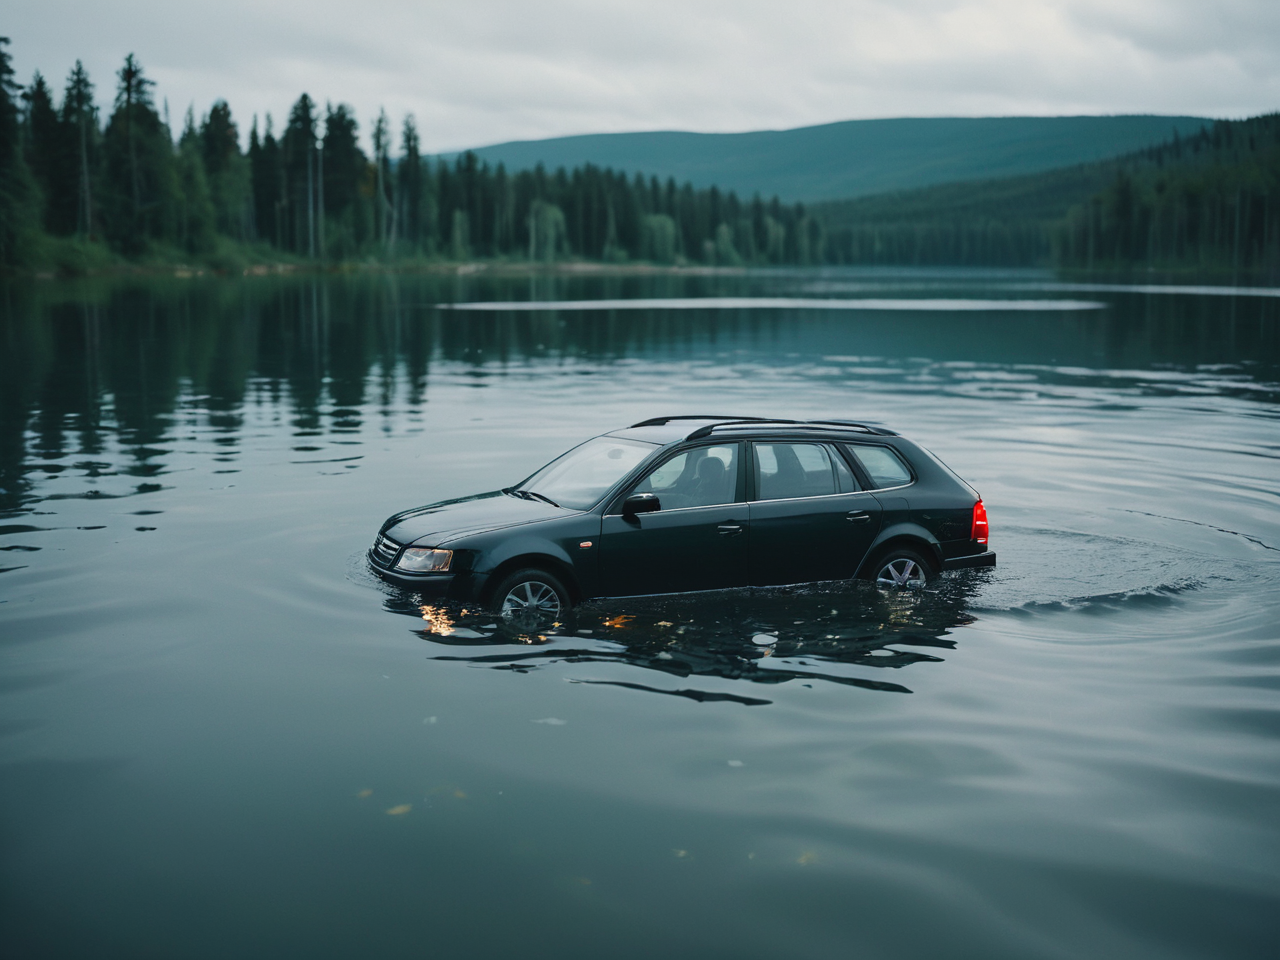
point(809, 519)
point(696, 541)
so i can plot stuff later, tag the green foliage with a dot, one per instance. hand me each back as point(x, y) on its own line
point(76, 196)
point(19, 197)
point(1210, 202)
point(140, 191)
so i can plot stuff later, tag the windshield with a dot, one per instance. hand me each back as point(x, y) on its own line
point(583, 475)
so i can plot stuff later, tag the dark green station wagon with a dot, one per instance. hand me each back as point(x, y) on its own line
point(676, 504)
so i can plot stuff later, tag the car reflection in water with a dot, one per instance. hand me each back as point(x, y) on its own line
point(833, 632)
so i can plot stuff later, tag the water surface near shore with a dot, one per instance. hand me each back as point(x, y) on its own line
point(221, 736)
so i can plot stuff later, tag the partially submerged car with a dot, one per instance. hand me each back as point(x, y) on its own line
point(677, 504)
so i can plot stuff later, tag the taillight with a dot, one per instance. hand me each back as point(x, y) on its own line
point(980, 530)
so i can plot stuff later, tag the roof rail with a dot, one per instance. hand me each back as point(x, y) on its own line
point(659, 421)
point(707, 430)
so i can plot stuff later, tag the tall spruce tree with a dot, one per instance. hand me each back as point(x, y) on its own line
point(409, 185)
point(43, 150)
point(345, 171)
point(227, 170)
point(298, 150)
point(18, 205)
point(81, 138)
point(266, 170)
point(139, 186)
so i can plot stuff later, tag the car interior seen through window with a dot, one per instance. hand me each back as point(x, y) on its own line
point(701, 477)
point(883, 466)
point(788, 470)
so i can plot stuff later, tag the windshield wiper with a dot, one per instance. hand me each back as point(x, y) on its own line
point(527, 494)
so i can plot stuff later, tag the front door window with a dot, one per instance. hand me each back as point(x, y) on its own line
point(702, 477)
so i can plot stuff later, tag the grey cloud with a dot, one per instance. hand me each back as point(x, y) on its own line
point(486, 71)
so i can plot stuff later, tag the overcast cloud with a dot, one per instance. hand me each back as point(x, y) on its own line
point(484, 71)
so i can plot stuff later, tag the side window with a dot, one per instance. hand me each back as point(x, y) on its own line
point(701, 477)
point(845, 479)
point(882, 465)
point(787, 470)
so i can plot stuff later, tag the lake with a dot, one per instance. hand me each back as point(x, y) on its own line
point(221, 736)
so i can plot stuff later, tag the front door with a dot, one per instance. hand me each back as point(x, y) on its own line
point(808, 522)
point(698, 538)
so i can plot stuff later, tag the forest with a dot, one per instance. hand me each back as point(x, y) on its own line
point(79, 194)
point(1208, 203)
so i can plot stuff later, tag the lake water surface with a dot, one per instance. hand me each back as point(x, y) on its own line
point(220, 736)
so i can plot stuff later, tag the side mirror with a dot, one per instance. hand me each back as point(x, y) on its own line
point(640, 503)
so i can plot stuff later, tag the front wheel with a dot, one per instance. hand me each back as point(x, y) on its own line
point(529, 596)
point(902, 570)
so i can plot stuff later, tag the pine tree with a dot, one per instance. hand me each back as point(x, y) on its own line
point(80, 129)
point(298, 150)
point(43, 151)
point(18, 201)
point(140, 189)
point(409, 184)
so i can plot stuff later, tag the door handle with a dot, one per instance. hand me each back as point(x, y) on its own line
point(729, 529)
point(857, 516)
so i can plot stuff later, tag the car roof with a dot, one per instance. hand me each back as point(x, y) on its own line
point(664, 430)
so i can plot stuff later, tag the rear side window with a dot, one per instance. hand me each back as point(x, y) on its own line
point(882, 465)
point(788, 470)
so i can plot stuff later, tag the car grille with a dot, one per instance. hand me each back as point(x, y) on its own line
point(384, 551)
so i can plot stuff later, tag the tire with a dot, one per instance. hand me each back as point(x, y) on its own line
point(900, 569)
point(529, 596)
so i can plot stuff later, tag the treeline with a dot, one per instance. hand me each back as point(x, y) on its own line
point(127, 187)
point(1207, 202)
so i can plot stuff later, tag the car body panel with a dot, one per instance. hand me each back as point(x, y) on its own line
point(695, 548)
point(441, 522)
point(811, 538)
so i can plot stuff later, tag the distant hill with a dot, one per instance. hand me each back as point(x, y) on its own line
point(853, 158)
point(1203, 202)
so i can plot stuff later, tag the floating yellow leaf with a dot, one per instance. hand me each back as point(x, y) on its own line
point(365, 793)
point(621, 620)
point(402, 809)
point(459, 794)
point(806, 858)
point(680, 854)
point(664, 623)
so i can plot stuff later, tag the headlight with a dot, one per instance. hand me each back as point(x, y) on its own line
point(424, 560)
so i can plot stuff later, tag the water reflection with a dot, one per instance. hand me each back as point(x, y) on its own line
point(146, 365)
point(830, 633)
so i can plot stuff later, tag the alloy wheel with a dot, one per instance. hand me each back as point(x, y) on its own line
point(531, 599)
point(902, 573)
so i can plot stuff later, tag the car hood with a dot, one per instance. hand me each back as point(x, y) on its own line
point(437, 522)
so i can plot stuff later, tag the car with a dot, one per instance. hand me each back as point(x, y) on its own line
point(686, 503)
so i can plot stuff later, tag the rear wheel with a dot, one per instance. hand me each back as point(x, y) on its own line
point(531, 595)
point(901, 570)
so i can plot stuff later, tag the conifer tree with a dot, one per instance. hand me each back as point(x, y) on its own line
point(43, 152)
point(81, 136)
point(18, 204)
point(139, 182)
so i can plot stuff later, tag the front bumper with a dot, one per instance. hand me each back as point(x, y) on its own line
point(438, 585)
point(985, 559)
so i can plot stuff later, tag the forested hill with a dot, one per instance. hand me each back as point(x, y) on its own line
point(853, 158)
point(1206, 202)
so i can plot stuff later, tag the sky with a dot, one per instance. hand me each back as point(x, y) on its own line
point(477, 72)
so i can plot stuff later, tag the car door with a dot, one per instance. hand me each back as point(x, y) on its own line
point(809, 519)
point(696, 540)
